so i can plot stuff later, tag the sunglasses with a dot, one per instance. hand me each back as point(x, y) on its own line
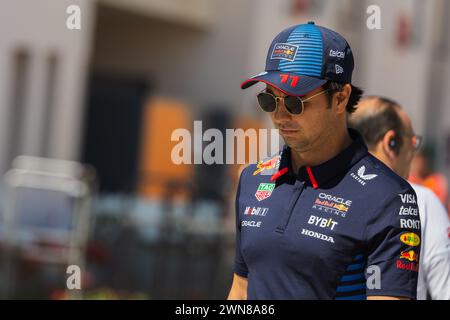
point(294, 104)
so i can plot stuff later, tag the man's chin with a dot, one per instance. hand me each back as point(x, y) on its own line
point(295, 143)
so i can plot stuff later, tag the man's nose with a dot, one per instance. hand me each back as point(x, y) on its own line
point(281, 113)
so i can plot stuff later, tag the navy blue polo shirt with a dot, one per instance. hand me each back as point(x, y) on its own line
point(345, 229)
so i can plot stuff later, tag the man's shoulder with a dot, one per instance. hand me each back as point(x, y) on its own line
point(387, 197)
point(383, 180)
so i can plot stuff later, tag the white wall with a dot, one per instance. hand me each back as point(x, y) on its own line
point(39, 27)
point(199, 65)
point(400, 74)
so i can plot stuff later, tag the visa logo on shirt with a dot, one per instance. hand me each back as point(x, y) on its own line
point(408, 198)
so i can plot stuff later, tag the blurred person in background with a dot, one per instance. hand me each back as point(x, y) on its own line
point(422, 174)
point(315, 219)
point(388, 132)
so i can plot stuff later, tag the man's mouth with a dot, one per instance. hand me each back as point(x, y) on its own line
point(288, 131)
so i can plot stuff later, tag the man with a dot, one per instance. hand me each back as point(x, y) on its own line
point(318, 218)
point(388, 132)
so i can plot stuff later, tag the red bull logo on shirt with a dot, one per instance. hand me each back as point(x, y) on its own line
point(411, 266)
point(337, 205)
point(341, 207)
point(268, 165)
point(409, 255)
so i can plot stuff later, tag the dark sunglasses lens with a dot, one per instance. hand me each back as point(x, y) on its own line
point(267, 102)
point(293, 105)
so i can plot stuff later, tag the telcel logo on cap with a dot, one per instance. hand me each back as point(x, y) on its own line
point(284, 51)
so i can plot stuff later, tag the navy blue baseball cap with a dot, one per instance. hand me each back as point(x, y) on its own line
point(303, 58)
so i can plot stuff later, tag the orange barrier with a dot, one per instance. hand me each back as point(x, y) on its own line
point(157, 171)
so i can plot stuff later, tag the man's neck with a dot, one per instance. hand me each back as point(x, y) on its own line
point(321, 152)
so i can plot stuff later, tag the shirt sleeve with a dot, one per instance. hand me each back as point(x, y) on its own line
point(240, 267)
point(393, 248)
point(435, 262)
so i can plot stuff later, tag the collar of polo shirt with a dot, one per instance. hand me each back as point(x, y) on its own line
point(321, 174)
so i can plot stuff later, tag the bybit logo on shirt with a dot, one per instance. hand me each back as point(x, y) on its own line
point(322, 222)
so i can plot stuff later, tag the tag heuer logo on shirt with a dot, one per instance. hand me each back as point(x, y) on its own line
point(264, 191)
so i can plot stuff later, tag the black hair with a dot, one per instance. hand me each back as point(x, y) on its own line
point(355, 95)
point(373, 125)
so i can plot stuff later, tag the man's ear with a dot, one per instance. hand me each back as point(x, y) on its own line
point(389, 145)
point(342, 97)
